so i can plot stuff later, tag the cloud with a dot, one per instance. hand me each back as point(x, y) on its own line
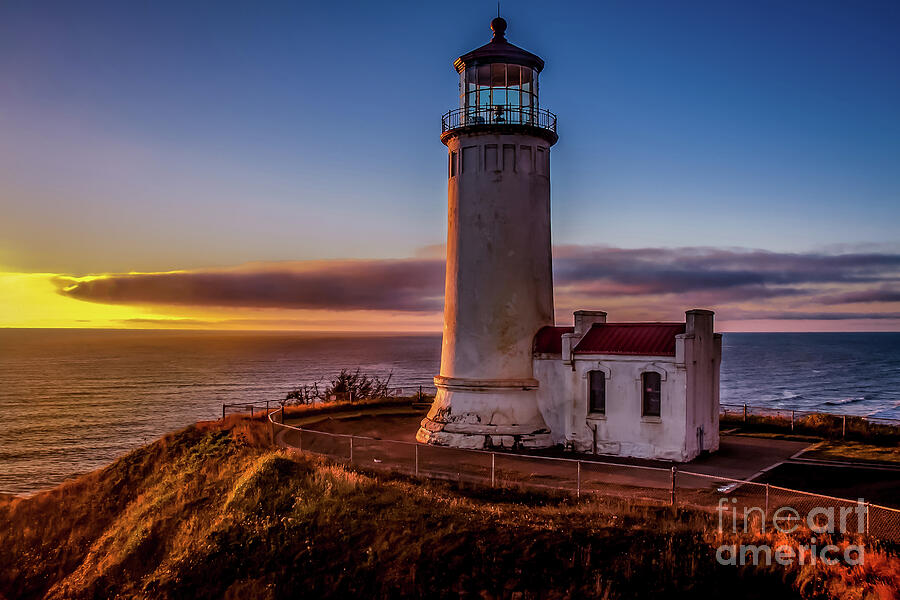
point(837, 316)
point(881, 294)
point(740, 283)
point(672, 270)
point(150, 321)
point(799, 315)
point(402, 285)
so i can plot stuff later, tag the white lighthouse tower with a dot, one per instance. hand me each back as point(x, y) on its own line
point(499, 288)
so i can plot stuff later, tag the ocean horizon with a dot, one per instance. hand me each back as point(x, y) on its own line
point(73, 400)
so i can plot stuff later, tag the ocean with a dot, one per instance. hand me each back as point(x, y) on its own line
point(73, 400)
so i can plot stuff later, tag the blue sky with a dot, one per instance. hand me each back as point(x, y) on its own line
point(169, 135)
point(311, 130)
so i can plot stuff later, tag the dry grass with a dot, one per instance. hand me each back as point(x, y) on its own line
point(323, 408)
point(818, 425)
point(877, 577)
point(850, 450)
point(213, 512)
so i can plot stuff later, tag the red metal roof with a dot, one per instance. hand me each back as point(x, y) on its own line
point(651, 339)
point(549, 339)
point(644, 339)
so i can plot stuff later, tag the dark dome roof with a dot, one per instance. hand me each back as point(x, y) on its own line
point(498, 50)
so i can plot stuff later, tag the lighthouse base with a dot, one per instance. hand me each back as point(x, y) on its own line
point(481, 414)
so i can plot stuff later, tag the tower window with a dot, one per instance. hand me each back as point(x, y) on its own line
point(598, 392)
point(651, 384)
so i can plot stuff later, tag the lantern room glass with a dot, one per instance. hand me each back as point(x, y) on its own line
point(498, 93)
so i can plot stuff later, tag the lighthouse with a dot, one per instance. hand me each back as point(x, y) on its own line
point(499, 288)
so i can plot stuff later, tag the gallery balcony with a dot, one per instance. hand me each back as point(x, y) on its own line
point(500, 118)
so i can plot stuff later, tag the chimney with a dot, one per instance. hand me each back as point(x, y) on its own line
point(585, 318)
point(569, 341)
point(699, 323)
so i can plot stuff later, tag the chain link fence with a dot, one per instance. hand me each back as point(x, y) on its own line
point(830, 425)
point(740, 505)
point(749, 505)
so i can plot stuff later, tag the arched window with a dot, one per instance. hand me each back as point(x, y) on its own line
point(651, 386)
point(597, 381)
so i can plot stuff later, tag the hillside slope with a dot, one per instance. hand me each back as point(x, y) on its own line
point(212, 512)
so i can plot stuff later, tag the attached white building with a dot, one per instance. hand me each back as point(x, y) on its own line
point(647, 390)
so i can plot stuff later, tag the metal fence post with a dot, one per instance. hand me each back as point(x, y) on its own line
point(792, 420)
point(868, 507)
point(282, 414)
point(578, 479)
point(351, 449)
point(251, 411)
point(493, 457)
point(766, 516)
point(417, 460)
point(745, 412)
point(674, 469)
point(223, 412)
point(844, 426)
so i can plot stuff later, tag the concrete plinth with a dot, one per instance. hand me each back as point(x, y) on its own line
point(485, 414)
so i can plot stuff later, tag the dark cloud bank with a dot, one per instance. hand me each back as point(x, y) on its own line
point(400, 285)
point(717, 277)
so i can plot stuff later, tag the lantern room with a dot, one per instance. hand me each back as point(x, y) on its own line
point(498, 85)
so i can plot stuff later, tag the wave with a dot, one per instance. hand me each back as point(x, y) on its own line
point(844, 401)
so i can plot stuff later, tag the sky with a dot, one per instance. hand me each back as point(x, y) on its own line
point(278, 165)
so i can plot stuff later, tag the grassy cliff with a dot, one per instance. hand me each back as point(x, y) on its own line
point(213, 512)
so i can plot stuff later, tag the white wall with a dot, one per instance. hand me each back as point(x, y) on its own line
point(622, 430)
point(499, 288)
point(555, 397)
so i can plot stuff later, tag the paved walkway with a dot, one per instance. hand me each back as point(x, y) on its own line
point(741, 470)
point(738, 457)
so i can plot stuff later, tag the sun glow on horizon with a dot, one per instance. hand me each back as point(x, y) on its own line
point(33, 300)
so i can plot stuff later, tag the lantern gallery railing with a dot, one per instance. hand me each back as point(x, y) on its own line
point(498, 115)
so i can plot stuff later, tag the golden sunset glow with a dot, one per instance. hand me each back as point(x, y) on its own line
point(31, 300)
point(34, 300)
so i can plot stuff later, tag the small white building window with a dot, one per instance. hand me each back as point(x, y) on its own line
point(597, 392)
point(651, 386)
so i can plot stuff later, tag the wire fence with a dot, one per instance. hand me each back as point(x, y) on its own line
point(746, 412)
point(248, 407)
point(741, 505)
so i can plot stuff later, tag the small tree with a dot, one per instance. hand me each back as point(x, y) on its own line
point(304, 394)
point(347, 385)
point(355, 385)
